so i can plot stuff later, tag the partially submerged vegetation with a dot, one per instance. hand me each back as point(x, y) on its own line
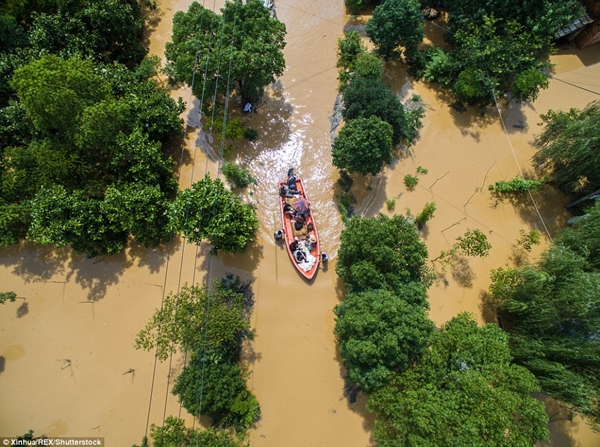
point(425, 387)
point(209, 325)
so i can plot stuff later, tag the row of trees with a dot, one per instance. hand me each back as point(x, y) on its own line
point(455, 386)
point(551, 310)
point(210, 327)
point(376, 120)
point(83, 136)
point(496, 48)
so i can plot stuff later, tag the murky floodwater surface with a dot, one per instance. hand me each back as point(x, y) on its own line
point(67, 362)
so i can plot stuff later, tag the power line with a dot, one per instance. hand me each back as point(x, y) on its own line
point(573, 85)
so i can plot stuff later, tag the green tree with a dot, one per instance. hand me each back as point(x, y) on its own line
point(490, 57)
point(54, 93)
point(426, 214)
point(215, 389)
point(544, 18)
point(142, 210)
point(61, 218)
point(349, 48)
point(568, 149)
point(474, 243)
point(238, 177)
point(381, 253)
point(252, 44)
point(463, 391)
point(173, 433)
point(379, 334)
point(105, 30)
point(209, 210)
point(516, 185)
point(368, 65)
point(396, 23)
point(365, 97)
point(552, 311)
point(364, 145)
point(181, 323)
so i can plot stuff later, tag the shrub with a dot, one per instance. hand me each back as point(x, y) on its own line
point(410, 181)
point(391, 204)
point(238, 177)
point(425, 214)
point(517, 184)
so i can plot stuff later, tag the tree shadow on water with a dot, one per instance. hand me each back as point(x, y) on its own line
point(488, 307)
point(462, 272)
point(562, 426)
point(23, 309)
point(98, 274)
point(356, 400)
point(35, 263)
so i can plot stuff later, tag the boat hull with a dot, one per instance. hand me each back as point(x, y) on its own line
point(309, 245)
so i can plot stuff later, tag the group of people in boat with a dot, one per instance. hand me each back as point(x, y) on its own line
point(306, 240)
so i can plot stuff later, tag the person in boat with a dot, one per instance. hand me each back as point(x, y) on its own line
point(289, 209)
point(291, 183)
point(294, 245)
point(300, 256)
point(311, 241)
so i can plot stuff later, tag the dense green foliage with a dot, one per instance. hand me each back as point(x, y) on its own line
point(552, 311)
point(209, 210)
point(464, 391)
point(173, 433)
point(396, 23)
point(94, 154)
point(217, 388)
point(101, 30)
point(518, 184)
point(545, 18)
point(181, 323)
point(366, 97)
point(569, 148)
point(364, 145)
point(236, 176)
point(497, 47)
point(380, 333)
point(211, 326)
point(381, 253)
point(241, 47)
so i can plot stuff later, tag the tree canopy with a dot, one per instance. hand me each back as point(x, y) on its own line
point(463, 391)
point(552, 311)
point(396, 23)
point(568, 149)
point(174, 433)
point(181, 323)
point(369, 96)
point(242, 46)
point(380, 333)
point(498, 47)
point(364, 145)
point(381, 253)
point(93, 155)
point(209, 210)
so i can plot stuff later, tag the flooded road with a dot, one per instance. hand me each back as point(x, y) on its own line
point(67, 362)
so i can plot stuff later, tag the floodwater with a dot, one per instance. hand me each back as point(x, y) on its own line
point(67, 362)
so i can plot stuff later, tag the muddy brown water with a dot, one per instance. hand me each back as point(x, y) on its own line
point(67, 362)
